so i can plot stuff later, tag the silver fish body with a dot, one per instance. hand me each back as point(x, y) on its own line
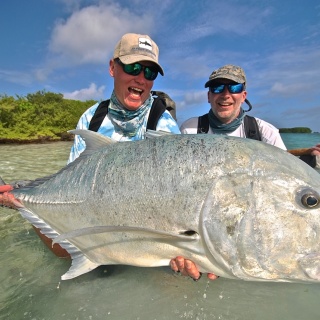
point(239, 208)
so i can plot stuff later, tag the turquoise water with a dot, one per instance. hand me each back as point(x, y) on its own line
point(30, 273)
point(299, 140)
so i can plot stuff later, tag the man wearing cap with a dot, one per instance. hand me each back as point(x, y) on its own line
point(227, 92)
point(134, 67)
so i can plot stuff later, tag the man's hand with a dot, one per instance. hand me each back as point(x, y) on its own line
point(315, 150)
point(7, 199)
point(6, 188)
point(188, 268)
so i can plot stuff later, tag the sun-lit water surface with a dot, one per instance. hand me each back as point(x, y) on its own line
point(30, 273)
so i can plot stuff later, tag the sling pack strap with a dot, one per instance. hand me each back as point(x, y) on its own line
point(157, 109)
point(250, 126)
point(168, 102)
point(99, 115)
point(203, 124)
point(161, 103)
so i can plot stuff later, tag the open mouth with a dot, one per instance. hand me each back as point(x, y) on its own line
point(225, 104)
point(135, 91)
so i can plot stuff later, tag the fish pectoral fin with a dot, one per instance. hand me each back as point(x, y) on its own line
point(80, 265)
point(184, 236)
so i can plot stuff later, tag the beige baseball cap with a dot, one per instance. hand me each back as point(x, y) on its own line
point(228, 71)
point(134, 47)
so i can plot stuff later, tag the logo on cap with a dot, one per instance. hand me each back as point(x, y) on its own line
point(145, 43)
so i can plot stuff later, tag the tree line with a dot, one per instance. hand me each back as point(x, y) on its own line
point(47, 116)
point(295, 130)
point(40, 116)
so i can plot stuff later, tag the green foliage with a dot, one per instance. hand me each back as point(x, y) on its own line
point(295, 130)
point(38, 115)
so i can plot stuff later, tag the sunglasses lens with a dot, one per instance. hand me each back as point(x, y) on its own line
point(235, 88)
point(150, 73)
point(134, 69)
point(217, 89)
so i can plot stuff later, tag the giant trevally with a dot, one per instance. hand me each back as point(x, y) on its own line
point(239, 208)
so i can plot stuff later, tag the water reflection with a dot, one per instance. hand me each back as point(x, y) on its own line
point(32, 161)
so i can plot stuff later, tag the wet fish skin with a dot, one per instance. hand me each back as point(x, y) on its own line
point(238, 208)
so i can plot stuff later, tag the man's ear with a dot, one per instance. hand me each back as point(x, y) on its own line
point(111, 67)
point(244, 95)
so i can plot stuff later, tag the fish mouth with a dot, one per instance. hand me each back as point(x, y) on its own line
point(310, 264)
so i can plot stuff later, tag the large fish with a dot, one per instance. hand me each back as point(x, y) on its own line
point(239, 208)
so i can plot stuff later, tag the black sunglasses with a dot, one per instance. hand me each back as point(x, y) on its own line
point(233, 88)
point(150, 73)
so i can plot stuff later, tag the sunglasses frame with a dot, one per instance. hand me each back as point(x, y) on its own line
point(134, 69)
point(231, 88)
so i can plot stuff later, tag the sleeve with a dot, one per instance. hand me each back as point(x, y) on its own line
point(79, 145)
point(190, 126)
point(167, 123)
point(270, 134)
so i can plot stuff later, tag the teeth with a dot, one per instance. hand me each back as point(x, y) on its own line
point(136, 89)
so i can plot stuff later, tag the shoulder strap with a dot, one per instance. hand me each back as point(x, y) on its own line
point(99, 115)
point(157, 109)
point(169, 103)
point(251, 128)
point(203, 123)
point(161, 103)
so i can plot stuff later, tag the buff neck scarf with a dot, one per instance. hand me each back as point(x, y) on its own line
point(126, 121)
point(218, 127)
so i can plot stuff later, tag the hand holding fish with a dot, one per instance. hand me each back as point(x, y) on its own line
point(315, 151)
point(188, 268)
point(7, 199)
point(6, 188)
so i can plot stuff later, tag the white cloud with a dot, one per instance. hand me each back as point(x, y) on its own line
point(195, 98)
point(90, 93)
point(289, 72)
point(18, 77)
point(89, 35)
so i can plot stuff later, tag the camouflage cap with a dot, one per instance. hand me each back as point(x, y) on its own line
point(134, 47)
point(228, 71)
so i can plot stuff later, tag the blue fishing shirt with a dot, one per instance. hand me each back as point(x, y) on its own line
point(165, 123)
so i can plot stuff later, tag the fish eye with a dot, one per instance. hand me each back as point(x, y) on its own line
point(310, 200)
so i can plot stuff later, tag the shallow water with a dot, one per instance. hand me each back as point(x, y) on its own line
point(30, 273)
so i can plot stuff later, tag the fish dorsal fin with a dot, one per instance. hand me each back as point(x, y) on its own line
point(93, 140)
point(151, 134)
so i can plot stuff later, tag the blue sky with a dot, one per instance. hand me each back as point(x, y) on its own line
point(64, 46)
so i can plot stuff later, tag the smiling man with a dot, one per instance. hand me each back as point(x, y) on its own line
point(226, 94)
point(124, 117)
